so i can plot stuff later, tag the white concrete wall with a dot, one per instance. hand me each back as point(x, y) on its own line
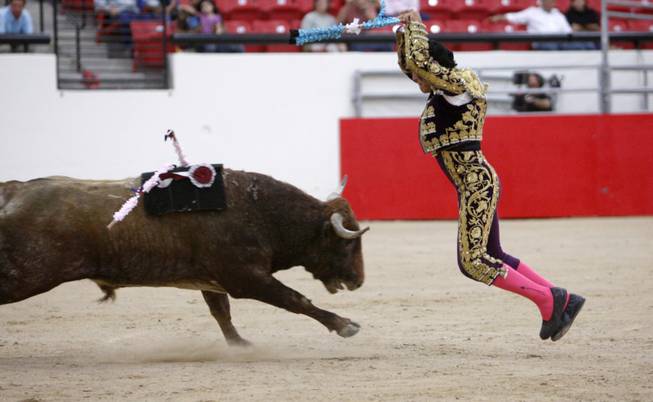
point(277, 114)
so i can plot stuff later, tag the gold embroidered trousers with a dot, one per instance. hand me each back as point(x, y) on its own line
point(478, 190)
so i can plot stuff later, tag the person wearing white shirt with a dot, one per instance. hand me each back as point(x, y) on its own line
point(545, 19)
point(396, 7)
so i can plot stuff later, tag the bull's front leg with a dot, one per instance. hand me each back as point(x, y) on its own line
point(220, 310)
point(269, 290)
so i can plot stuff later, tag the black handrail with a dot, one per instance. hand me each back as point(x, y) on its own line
point(386, 37)
point(24, 39)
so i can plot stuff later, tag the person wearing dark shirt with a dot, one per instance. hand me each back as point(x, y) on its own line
point(533, 102)
point(451, 128)
point(581, 17)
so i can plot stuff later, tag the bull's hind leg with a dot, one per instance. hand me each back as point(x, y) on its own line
point(219, 306)
point(269, 290)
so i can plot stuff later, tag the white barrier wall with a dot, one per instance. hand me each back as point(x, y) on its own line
point(273, 113)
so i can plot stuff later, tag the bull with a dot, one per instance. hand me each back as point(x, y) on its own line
point(54, 230)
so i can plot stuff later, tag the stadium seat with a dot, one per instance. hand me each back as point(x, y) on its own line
point(242, 10)
point(334, 6)
point(472, 9)
point(642, 26)
point(617, 25)
point(509, 28)
point(239, 27)
point(242, 27)
point(148, 47)
point(468, 26)
point(595, 4)
point(436, 9)
point(563, 5)
point(286, 9)
point(508, 6)
point(436, 27)
point(620, 25)
point(78, 5)
point(279, 27)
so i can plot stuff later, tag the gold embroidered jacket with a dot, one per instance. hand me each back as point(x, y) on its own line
point(443, 124)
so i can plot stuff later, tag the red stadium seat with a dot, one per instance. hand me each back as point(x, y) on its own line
point(436, 9)
point(434, 27)
point(242, 27)
point(243, 10)
point(562, 5)
point(78, 5)
point(239, 27)
point(508, 28)
point(619, 25)
point(276, 26)
point(286, 9)
point(508, 6)
point(334, 6)
point(642, 26)
point(472, 9)
point(468, 26)
point(148, 46)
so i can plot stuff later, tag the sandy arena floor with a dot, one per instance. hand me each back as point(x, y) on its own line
point(428, 333)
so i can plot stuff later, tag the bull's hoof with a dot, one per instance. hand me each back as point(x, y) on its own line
point(349, 330)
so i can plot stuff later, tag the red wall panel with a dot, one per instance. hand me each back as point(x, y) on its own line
point(591, 165)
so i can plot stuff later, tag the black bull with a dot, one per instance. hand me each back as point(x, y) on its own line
point(54, 230)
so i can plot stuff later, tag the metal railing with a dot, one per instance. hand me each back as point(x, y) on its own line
point(359, 96)
point(95, 51)
point(606, 36)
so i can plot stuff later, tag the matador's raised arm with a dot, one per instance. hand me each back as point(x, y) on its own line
point(414, 57)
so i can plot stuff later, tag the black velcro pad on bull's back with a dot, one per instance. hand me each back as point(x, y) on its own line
point(184, 196)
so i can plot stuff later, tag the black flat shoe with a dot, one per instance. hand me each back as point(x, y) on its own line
point(576, 303)
point(557, 320)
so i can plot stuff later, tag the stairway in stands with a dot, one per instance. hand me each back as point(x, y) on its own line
point(84, 63)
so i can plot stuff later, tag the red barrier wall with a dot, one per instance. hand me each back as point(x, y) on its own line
point(591, 165)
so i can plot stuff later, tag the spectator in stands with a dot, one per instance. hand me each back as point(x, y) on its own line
point(319, 18)
point(533, 102)
point(14, 19)
point(363, 10)
point(151, 9)
point(396, 7)
point(117, 16)
point(545, 19)
point(211, 23)
point(581, 17)
point(188, 19)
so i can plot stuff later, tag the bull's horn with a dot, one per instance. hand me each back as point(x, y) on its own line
point(338, 192)
point(341, 231)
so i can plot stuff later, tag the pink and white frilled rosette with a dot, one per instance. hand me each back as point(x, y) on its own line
point(202, 175)
point(132, 202)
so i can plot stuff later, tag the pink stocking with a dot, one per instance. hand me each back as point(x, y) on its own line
point(532, 275)
point(515, 282)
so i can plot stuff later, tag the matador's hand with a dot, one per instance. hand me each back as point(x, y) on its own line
point(410, 16)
